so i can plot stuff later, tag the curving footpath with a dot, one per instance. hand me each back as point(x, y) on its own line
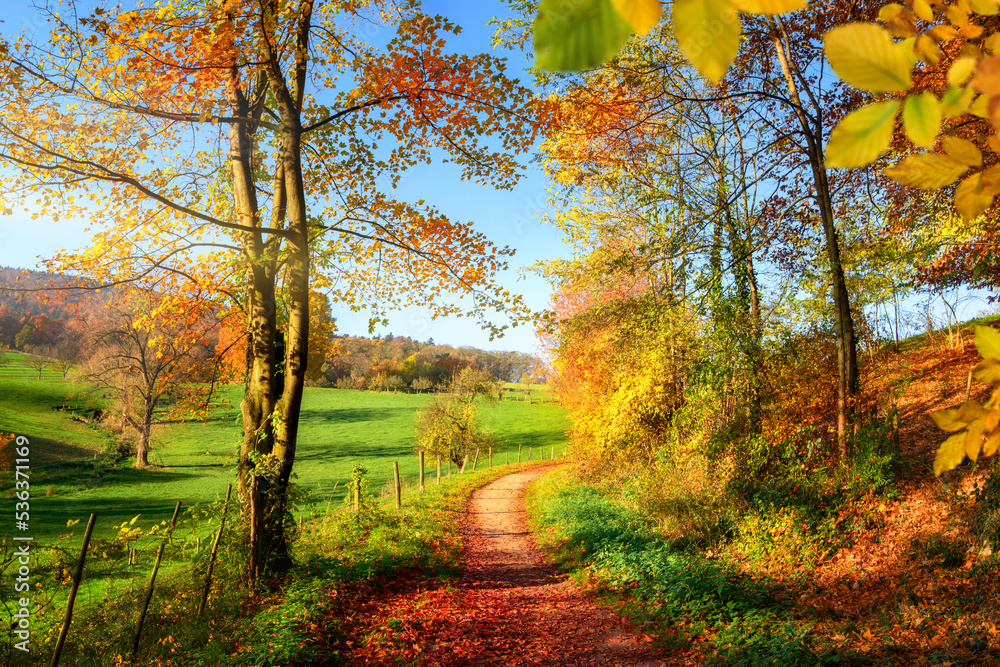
point(510, 608)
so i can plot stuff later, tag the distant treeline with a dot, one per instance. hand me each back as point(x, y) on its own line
point(397, 362)
point(34, 317)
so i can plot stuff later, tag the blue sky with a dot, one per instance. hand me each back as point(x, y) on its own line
point(506, 217)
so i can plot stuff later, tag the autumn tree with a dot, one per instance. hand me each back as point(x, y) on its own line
point(449, 424)
point(243, 148)
point(141, 361)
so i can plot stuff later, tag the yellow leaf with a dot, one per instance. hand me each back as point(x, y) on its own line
point(981, 107)
point(898, 20)
point(955, 101)
point(862, 135)
point(947, 420)
point(961, 70)
point(974, 439)
point(770, 6)
point(957, 16)
point(969, 412)
point(991, 419)
point(708, 32)
point(992, 442)
point(864, 55)
point(949, 454)
point(927, 171)
point(642, 15)
point(988, 371)
point(992, 42)
point(923, 10)
point(927, 49)
point(943, 32)
point(985, 7)
point(971, 199)
point(987, 342)
point(987, 80)
point(962, 150)
point(922, 118)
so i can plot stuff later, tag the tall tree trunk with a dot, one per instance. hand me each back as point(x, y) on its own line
point(272, 543)
point(259, 397)
point(847, 348)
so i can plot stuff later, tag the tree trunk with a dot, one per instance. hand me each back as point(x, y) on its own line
point(142, 448)
point(258, 404)
point(273, 544)
point(847, 350)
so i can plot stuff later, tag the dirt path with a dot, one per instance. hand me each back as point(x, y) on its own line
point(510, 608)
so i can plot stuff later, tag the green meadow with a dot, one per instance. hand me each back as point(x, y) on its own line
point(194, 462)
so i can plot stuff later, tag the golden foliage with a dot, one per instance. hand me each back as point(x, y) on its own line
point(971, 421)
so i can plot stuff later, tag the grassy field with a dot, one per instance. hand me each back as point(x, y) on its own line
point(194, 462)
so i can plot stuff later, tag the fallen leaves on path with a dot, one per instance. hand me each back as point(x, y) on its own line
point(509, 608)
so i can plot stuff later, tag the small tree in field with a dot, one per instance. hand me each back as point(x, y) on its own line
point(421, 384)
point(143, 362)
point(39, 359)
point(449, 424)
point(525, 386)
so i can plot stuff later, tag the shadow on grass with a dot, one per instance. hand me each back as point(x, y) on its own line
point(346, 415)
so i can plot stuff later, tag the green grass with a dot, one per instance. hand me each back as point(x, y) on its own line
point(341, 555)
point(194, 462)
point(686, 601)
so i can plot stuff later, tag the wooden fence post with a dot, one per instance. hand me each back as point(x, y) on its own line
point(529, 454)
point(475, 461)
point(211, 557)
point(439, 470)
point(421, 471)
point(491, 457)
point(152, 581)
point(553, 453)
point(77, 576)
point(399, 489)
point(506, 458)
point(519, 453)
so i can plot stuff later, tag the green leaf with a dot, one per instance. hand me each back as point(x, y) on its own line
point(572, 35)
point(864, 55)
point(708, 32)
point(988, 342)
point(922, 118)
point(927, 171)
point(862, 135)
point(950, 454)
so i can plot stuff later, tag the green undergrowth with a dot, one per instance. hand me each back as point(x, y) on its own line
point(297, 619)
point(686, 600)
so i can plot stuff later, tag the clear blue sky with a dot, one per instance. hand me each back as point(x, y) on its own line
point(506, 217)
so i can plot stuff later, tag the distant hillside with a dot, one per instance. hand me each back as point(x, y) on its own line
point(31, 302)
point(32, 306)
